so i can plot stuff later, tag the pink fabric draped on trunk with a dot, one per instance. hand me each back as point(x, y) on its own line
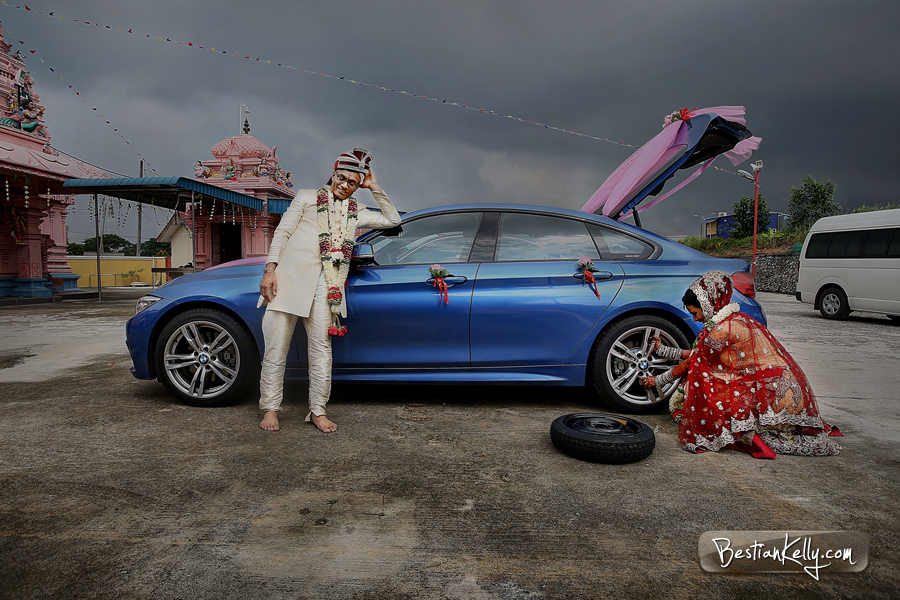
point(652, 158)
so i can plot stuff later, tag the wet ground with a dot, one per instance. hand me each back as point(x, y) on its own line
point(109, 488)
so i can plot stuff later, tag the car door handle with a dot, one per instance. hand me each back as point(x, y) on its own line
point(449, 280)
point(598, 275)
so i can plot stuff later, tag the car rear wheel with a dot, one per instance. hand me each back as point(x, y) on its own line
point(833, 304)
point(206, 357)
point(622, 358)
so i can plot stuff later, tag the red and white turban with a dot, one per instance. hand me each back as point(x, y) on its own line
point(357, 161)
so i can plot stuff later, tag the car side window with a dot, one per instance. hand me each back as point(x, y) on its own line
point(437, 239)
point(538, 237)
point(615, 245)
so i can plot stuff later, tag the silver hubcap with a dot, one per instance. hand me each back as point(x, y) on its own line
point(630, 360)
point(831, 303)
point(202, 359)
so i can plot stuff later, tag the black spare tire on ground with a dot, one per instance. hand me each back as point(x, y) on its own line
point(602, 438)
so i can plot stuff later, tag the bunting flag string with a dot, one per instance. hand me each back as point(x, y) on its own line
point(244, 56)
point(258, 59)
point(95, 109)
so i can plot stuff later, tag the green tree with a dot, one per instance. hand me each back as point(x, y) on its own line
point(743, 217)
point(152, 247)
point(111, 243)
point(810, 202)
point(75, 249)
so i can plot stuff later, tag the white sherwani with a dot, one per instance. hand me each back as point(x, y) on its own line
point(295, 247)
point(301, 293)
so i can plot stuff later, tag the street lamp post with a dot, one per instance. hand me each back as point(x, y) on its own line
point(757, 167)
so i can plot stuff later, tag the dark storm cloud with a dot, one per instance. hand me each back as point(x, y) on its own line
point(816, 78)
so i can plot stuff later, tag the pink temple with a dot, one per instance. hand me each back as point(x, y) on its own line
point(33, 203)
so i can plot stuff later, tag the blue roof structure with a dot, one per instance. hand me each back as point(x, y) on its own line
point(278, 206)
point(166, 192)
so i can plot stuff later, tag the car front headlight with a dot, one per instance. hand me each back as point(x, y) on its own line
point(144, 303)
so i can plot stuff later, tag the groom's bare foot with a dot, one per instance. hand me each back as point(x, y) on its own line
point(270, 421)
point(323, 423)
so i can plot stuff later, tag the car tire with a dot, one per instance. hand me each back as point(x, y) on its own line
point(621, 359)
point(602, 438)
point(205, 357)
point(833, 304)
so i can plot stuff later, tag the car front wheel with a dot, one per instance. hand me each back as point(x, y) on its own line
point(206, 357)
point(622, 358)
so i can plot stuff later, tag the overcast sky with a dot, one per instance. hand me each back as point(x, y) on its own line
point(818, 79)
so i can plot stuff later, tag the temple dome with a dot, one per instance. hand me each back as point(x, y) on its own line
point(244, 145)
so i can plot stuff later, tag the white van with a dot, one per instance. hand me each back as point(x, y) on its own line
point(852, 262)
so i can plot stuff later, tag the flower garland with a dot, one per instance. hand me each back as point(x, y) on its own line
point(727, 311)
point(337, 234)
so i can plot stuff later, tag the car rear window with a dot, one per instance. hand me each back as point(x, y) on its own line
point(615, 245)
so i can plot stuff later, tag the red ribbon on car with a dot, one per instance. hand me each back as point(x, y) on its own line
point(443, 294)
point(686, 113)
point(592, 283)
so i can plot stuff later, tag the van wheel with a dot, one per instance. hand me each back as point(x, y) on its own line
point(833, 304)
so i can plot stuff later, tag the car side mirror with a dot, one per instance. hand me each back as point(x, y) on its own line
point(363, 254)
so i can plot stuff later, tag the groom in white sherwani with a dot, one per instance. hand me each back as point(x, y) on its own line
point(304, 279)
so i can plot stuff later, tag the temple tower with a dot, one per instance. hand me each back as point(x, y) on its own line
point(224, 232)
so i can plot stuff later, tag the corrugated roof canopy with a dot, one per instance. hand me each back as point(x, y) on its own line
point(166, 192)
point(277, 206)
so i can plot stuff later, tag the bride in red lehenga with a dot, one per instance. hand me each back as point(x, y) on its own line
point(743, 391)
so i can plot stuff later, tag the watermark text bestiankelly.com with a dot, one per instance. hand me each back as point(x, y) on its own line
point(810, 552)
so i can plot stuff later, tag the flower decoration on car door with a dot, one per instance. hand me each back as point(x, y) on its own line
point(586, 266)
point(439, 272)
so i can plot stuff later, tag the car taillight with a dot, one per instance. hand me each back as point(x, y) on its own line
point(743, 282)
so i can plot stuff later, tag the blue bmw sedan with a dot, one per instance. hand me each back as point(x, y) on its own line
point(518, 310)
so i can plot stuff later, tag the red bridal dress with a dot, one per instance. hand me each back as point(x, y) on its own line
point(745, 392)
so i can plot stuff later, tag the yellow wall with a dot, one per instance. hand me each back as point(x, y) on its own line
point(112, 267)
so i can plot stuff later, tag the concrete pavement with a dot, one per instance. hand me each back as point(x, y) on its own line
point(111, 489)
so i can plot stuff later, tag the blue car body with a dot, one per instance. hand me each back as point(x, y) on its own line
point(520, 321)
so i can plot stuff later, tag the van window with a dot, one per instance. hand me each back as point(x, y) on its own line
point(894, 246)
point(871, 243)
point(818, 245)
point(877, 243)
point(838, 247)
point(854, 246)
point(846, 244)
